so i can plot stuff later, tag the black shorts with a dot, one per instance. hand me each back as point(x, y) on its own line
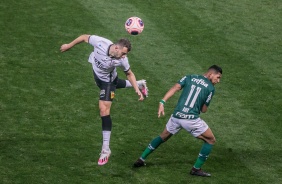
point(107, 89)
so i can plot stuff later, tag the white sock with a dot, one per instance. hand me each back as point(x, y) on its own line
point(128, 84)
point(106, 139)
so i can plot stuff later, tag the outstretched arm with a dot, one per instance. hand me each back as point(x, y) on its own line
point(132, 79)
point(81, 38)
point(169, 94)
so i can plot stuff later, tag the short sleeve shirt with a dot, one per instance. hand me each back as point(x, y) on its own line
point(103, 65)
point(197, 90)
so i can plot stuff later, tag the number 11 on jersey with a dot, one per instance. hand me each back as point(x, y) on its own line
point(193, 96)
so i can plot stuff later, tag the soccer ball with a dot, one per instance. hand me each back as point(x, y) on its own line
point(134, 25)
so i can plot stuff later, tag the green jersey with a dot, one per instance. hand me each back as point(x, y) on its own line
point(197, 90)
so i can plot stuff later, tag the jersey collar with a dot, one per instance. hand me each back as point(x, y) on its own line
point(108, 51)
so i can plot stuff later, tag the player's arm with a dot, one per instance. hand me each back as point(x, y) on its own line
point(132, 79)
point(204, 108)
point(81, 38)
point(177, 87)
point(206, 104)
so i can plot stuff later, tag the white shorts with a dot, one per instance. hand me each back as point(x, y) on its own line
point(196, 127)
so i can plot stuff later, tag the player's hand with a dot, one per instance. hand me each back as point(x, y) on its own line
point(161, 110)
point(65, 47)
point(141, 97)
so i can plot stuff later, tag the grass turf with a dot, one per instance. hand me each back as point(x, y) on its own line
point(50, 128)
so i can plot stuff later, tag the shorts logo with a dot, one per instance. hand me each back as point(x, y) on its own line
point(102, 93)
point(112, 94)
point(193, 130)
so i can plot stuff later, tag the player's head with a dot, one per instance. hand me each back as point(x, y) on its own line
point(121, 48)
point(214, 74)
point(124, 43)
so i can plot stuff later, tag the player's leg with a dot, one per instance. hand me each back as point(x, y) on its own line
point(153, 145)
point(121, 83)
point(209, 140)
point(207, 136)
point(171, 128)
point(106, 131)
point(202, 131)
point(105, 102)
point(105, 107)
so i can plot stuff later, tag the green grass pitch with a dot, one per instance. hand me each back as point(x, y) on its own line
point(50, 129)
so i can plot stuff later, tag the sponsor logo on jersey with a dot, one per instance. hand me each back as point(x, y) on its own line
point(184, 116)
point(199, 81)
point(112, 94)
point(98, 63)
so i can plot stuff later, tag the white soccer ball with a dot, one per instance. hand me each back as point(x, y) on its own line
point(134, 25)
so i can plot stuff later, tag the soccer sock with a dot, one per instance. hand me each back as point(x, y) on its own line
point(106, 139)
point(128, 84)
point(106, 130)
point(203, 155)
point(151, 147)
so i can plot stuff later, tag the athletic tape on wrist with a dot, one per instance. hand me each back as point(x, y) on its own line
point(162, 101)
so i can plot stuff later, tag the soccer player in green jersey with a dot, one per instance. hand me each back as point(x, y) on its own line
point(197, 92)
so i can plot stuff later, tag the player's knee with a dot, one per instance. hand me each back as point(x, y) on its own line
point(165, 135)
point(104, 111)
point(212, 140)
point(164, 138)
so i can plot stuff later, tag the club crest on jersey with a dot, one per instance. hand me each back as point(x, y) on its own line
point(112, 94)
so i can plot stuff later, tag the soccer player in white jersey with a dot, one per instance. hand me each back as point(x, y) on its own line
point(197, 92)
point(105, 57)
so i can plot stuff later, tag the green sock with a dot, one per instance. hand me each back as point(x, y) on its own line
point(203, 155)
point(151, 147)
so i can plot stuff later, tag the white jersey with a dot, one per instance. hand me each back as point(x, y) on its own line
point(103, 65)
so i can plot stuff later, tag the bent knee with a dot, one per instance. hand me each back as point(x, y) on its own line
point(165, 135)
point(212, 140)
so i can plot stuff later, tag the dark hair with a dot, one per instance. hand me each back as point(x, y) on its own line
point(215, 68)
point(124, 43)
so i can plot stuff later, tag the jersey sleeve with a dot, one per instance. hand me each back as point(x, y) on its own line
point(209, 97)
point(93, 40)
point(184, 81)
point(125, 64)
